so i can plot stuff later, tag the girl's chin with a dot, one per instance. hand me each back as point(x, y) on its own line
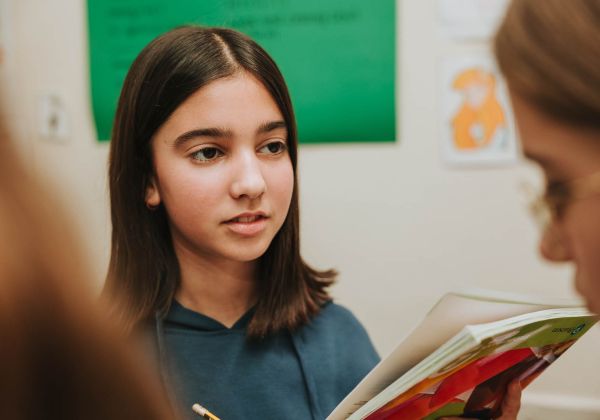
point(247, 255)
point(246, 258)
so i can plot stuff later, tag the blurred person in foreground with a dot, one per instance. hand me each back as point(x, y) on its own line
point(59, 359)
point(549, 53)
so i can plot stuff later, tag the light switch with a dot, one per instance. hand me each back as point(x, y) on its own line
point(53, 119)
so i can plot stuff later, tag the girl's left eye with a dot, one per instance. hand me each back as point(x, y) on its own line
point(273, 148)
point(207, 154)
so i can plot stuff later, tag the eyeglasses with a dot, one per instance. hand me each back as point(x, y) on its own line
point(551, 205)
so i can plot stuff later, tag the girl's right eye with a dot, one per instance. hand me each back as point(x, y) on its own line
point(207, 154)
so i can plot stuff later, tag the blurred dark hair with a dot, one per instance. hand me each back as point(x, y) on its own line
point(144, 273)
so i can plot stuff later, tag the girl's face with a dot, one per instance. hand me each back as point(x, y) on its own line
point(567, 153)
point(222, 171)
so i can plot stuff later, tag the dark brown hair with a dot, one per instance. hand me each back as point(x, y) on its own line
point(60, 358)
point(549, 53)
point(144, 272)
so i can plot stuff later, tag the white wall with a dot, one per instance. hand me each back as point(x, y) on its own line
point(50, 45)
point(400, 226)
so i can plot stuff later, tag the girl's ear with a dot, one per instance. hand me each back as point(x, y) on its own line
point(152, 194)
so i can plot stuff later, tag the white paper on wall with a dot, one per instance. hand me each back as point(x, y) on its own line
point(471, 19)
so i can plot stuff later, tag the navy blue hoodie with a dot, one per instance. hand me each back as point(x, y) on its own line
point(301, 375)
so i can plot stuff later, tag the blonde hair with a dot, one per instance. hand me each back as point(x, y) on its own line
point(549, 53)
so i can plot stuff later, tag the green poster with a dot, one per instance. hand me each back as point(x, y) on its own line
point(338, 56)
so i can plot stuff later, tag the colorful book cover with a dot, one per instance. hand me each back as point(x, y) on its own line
point(459, 360)
point(473, 385)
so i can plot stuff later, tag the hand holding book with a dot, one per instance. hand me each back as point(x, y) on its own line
point(511, 404)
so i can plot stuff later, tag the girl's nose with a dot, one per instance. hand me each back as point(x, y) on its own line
point(248, 179)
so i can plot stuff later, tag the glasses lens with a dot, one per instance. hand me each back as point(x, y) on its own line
point(537, 205)
point(542, 212)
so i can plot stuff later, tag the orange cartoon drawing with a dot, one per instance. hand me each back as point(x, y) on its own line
point(480, 121)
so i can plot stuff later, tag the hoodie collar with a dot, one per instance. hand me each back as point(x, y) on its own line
point(179, 315)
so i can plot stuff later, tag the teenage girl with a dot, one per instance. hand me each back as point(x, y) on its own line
point(205, 242)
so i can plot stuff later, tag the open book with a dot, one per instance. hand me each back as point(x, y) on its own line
point(462, 356)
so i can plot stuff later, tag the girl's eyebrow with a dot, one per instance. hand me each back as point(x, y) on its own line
point(270, 126)
point(201, 132)
point(216, 132)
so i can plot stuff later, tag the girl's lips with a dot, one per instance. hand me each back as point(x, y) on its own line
point(247, 226)
point(247, 217)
